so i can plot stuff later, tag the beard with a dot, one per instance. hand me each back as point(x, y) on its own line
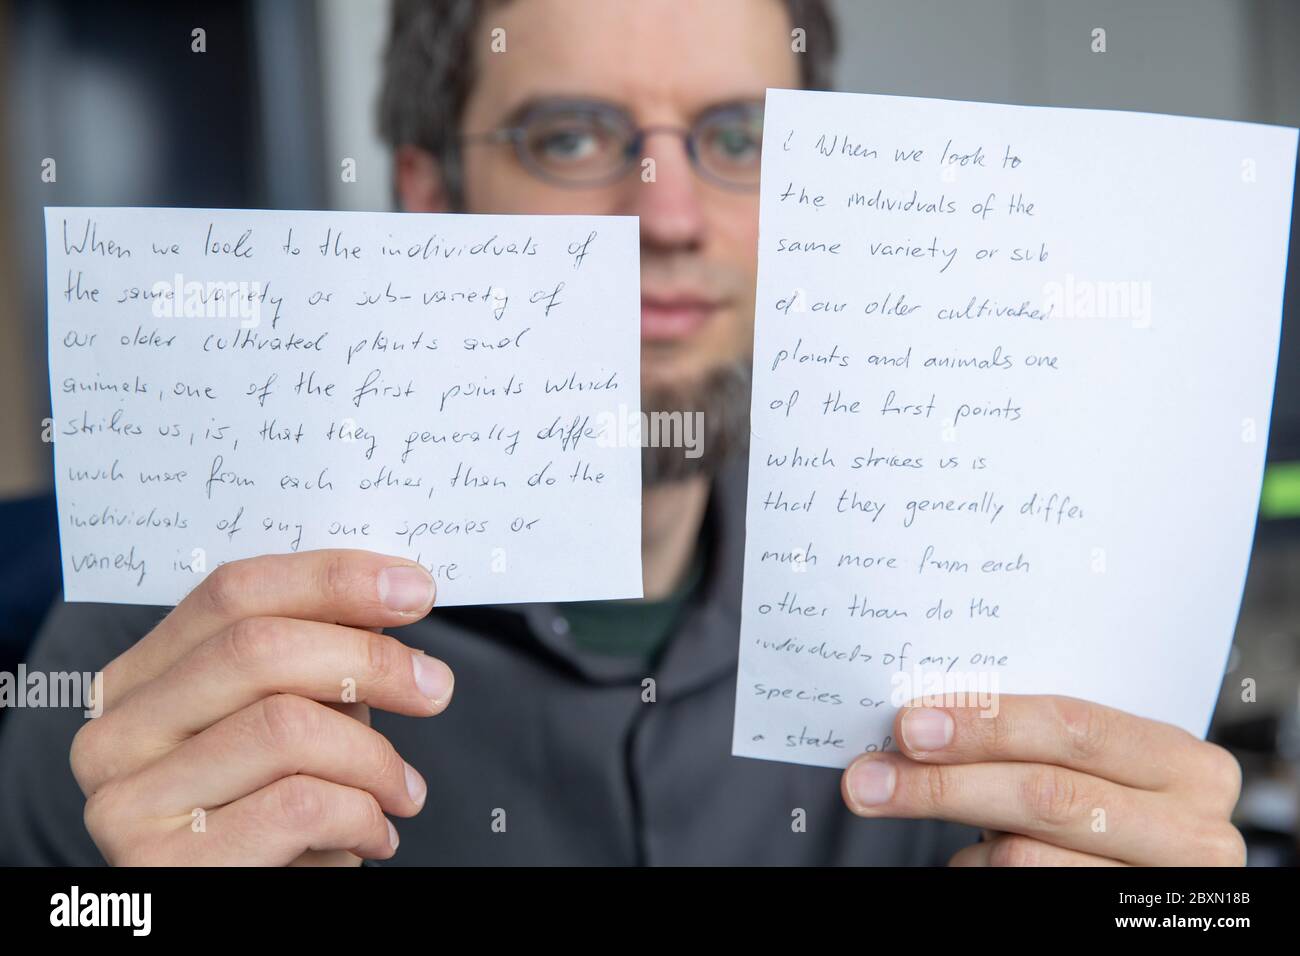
point(711, 413)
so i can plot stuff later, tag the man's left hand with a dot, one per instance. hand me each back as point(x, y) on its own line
point(1057, 781)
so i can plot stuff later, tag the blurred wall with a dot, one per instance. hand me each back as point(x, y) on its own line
point(22, 464)
point(312, 73)
point(352, 36)
point(1232, 59)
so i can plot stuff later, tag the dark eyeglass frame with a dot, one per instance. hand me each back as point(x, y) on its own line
point(635, 136)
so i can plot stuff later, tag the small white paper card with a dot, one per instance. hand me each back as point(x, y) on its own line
point(228, 383)
point(1013, 375)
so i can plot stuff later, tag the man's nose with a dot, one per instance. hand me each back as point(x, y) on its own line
point(665, 193)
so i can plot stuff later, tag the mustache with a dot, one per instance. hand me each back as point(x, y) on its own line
point(691, 278)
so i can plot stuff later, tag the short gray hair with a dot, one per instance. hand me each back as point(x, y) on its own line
point(429, 71)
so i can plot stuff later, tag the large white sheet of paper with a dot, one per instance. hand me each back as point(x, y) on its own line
point(449, 388)
point(1013, 377)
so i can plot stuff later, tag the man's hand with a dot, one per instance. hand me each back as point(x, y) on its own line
point(1059, 782)
point(237, 731)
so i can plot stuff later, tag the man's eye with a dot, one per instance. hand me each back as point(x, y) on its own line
point(567, 144)
point(570, 141)
point(736, 144)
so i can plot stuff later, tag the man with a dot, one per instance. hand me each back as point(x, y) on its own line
point(223, 741)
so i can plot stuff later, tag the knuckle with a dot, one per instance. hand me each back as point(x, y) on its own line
point(337, 580)
point(286, 721)
point(383, 757)
point(384, 658)
point(370, 815)
point(995, 733)
point(1051, 796)
point(95, 814)
point(253, 642)
point(1223, 770)
point(1015, 850)
point(224, 587)
point(1086, 728)
point(1224, 846)
point(84, 755)
point(105, 813)
point(97, 753)
point(937, 785)
point(300, 802)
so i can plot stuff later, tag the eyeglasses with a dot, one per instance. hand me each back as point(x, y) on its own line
point(579, 143)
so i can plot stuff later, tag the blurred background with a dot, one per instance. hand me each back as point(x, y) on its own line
point(285, 92)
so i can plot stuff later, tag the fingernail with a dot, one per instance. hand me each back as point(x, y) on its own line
point(393, 839)
point(925, 729)
point(405, 588)
point(433, 677)
point(415, 786)
point(871, 782)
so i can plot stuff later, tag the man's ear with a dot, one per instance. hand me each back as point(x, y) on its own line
point(419, 181)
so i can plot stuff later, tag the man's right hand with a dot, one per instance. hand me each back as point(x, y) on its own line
point(239, 705)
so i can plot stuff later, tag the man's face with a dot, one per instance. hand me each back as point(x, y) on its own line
point(664, 63)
